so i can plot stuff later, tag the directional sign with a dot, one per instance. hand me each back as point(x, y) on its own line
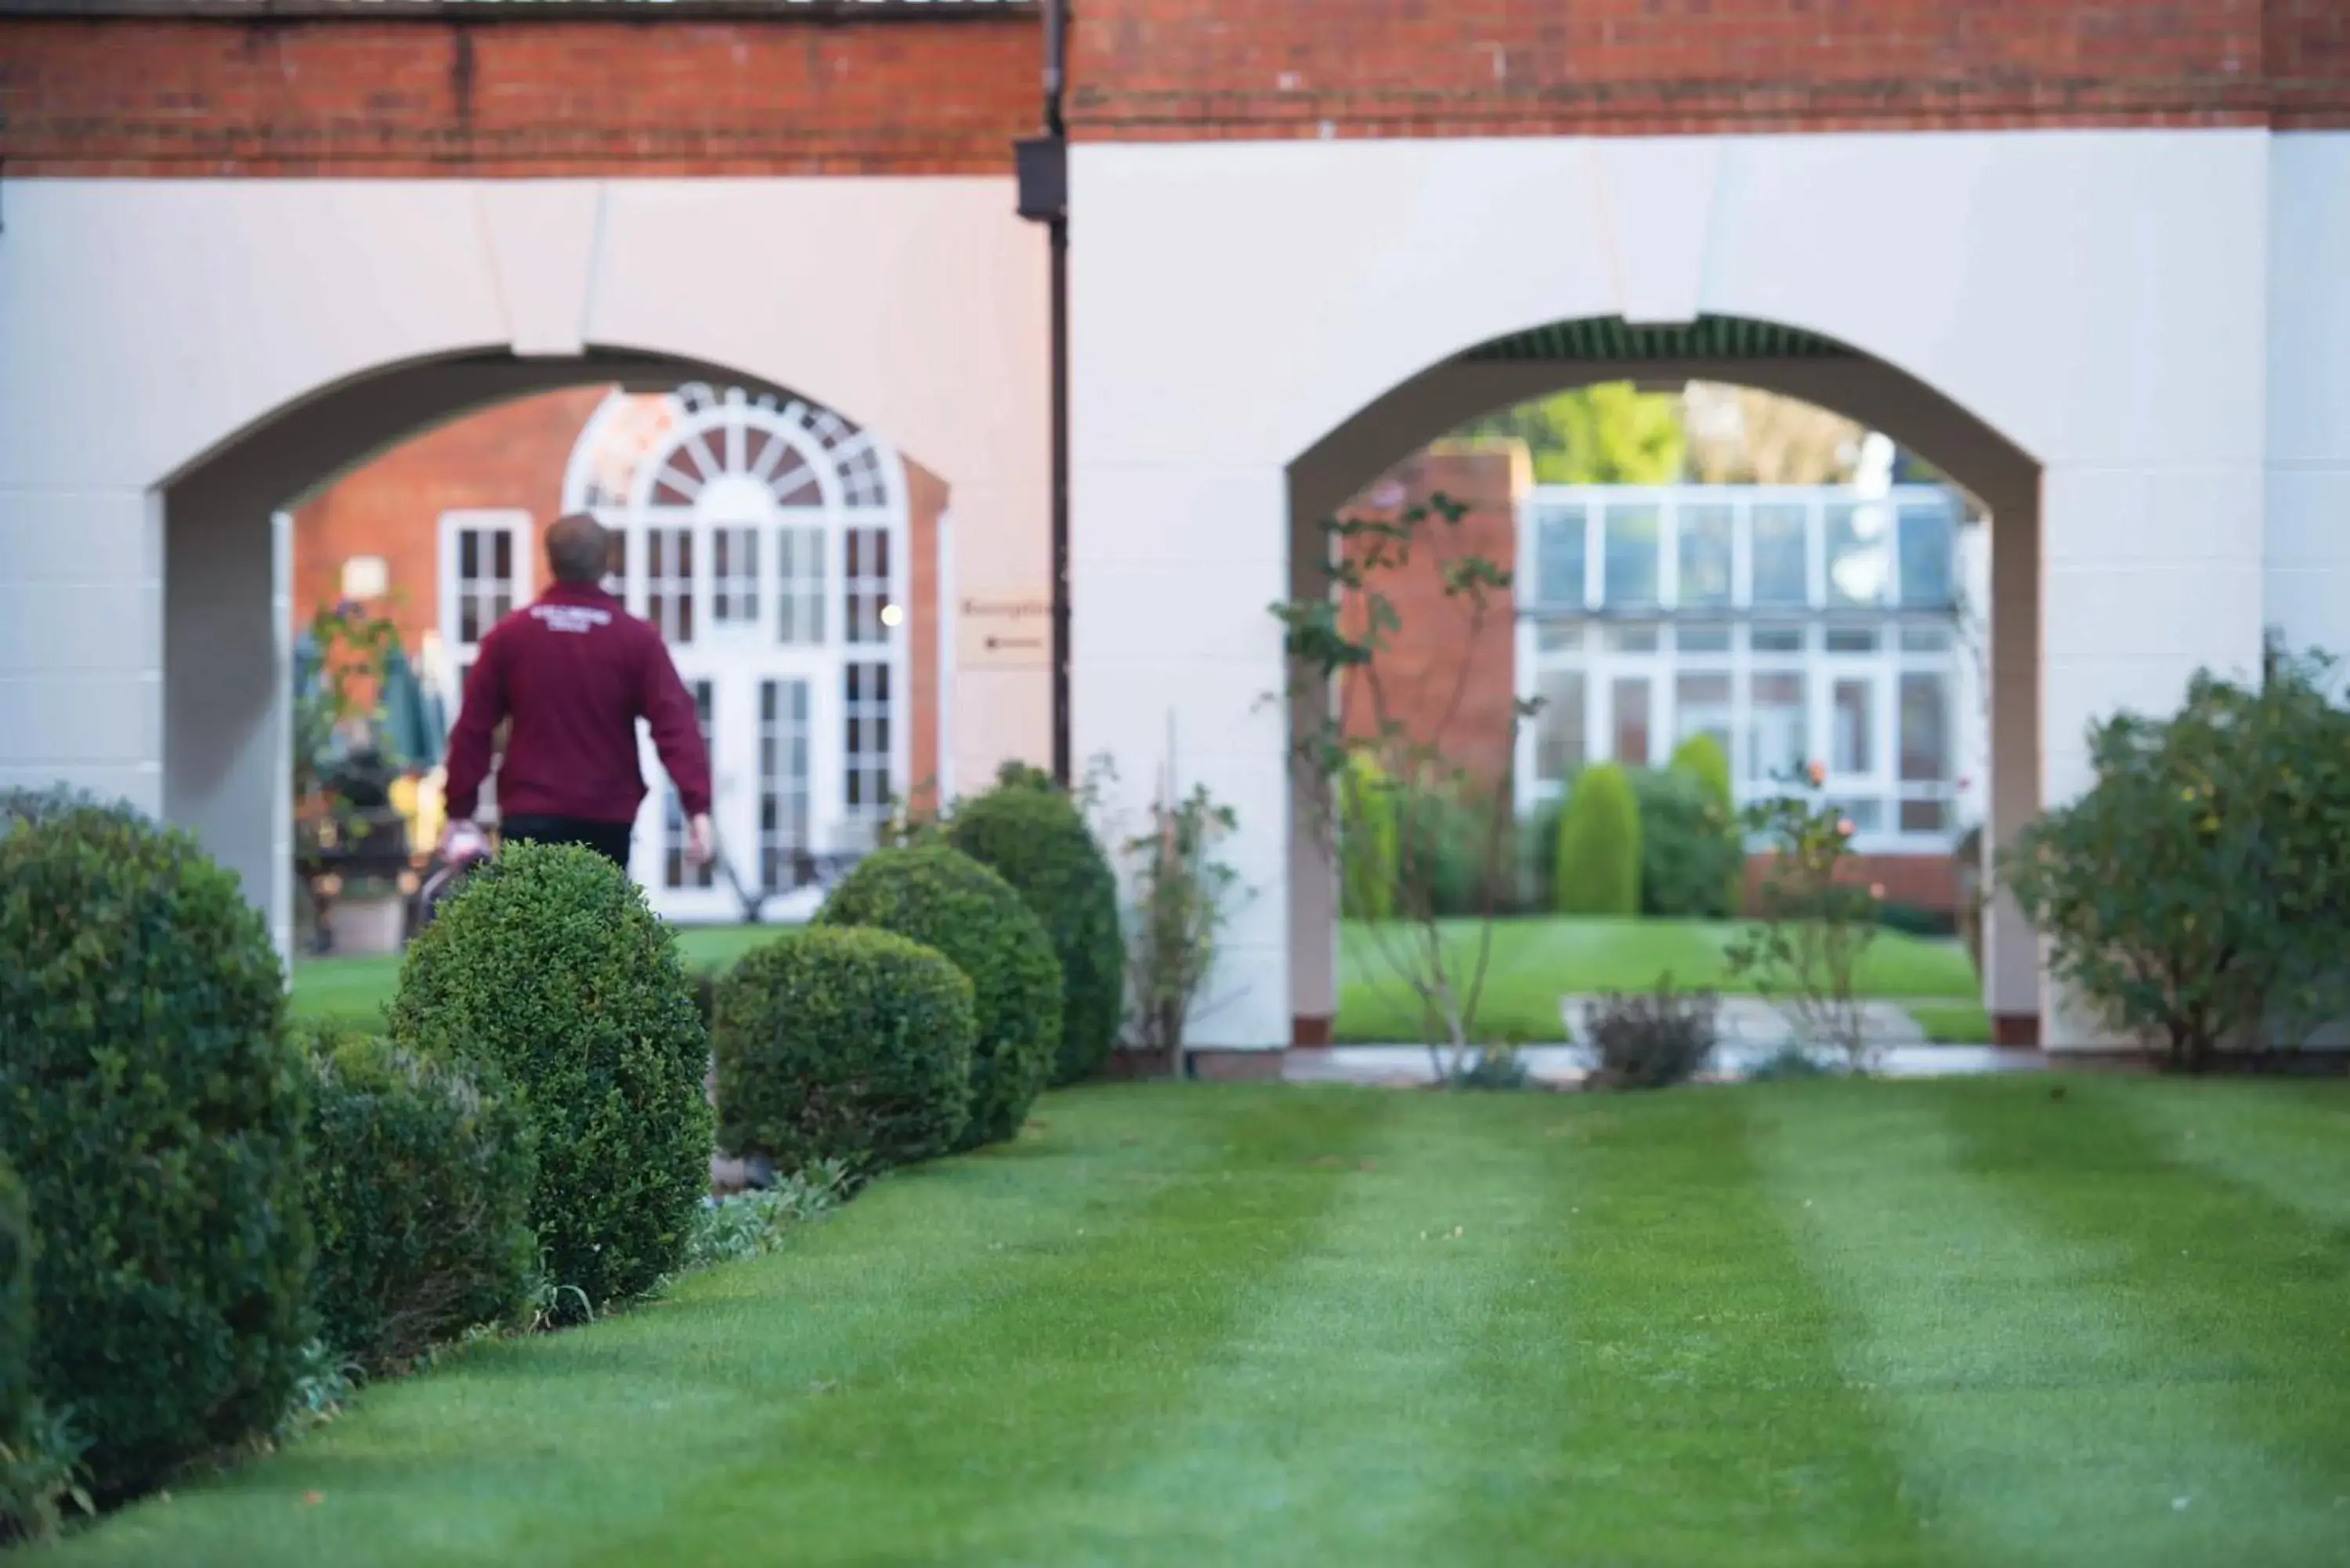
point(1010, 630)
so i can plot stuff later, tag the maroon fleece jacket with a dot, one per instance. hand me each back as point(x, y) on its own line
point(575, 671)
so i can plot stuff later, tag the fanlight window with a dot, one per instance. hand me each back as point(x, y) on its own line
point(766, 537)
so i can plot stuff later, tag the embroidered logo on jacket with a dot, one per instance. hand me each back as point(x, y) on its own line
point(571, 617)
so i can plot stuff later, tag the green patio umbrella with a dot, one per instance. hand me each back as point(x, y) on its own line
point(411, 730)
point(305, 665)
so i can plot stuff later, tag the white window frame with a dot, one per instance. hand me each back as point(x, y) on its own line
point(511, 520)
point(839, 478)
point(1882, 668)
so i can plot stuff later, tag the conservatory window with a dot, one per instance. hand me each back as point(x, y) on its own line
point(1558, 726)
point(1859, 554)
point(1706, 554)
point(1559, 552)
point(1927, 564)
point(1782, 572)
point(1632, 553)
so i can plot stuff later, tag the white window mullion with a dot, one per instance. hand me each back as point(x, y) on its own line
point(1595, 544)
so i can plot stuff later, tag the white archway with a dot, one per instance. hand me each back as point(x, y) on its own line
point(1338, 284)
point(246, 339)
point(1556, 357)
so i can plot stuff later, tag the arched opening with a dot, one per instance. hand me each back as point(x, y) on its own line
point(1640, 676)
point(766, 534)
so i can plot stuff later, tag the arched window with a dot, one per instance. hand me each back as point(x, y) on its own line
point(765, 539)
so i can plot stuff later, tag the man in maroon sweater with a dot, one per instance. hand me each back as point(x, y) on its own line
point(575, 672)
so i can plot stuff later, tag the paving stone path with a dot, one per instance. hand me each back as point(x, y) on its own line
point(1752, 1031)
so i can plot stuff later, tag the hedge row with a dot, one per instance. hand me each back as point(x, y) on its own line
point(1625, 841)
point(153, 1108)
point(204, 1197)
point(945, 983)
point(1654, 841)
point(198, 1199)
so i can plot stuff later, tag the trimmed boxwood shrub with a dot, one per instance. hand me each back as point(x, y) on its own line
point(549, 966)
point(837, 1042)
point(419, 1181)
point(1690, 851)
point(944, 899)
point(154, 1107)
point(1599, 846)
point(1035, 838)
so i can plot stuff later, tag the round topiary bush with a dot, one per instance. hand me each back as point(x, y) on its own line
point(419, 1184)
point(944, 899)
point(153, 1108)
point(842, 1044)
point(549, 966)
point(1036, 839)
point(1599, 846)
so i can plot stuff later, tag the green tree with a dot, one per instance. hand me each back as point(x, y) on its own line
point(2195, 894)
point(1385, 791)
point(1612, 433)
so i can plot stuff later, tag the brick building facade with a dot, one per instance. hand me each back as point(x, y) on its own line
point(204, 88)
point(251, 243)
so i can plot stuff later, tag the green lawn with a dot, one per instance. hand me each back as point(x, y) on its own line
point(1938, 1323)
point(1534, 962)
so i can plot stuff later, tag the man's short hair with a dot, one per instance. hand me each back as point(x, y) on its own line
point(576, 548)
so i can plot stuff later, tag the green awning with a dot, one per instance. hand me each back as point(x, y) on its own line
point(1609, 339)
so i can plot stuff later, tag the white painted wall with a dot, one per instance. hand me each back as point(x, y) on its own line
point(161, 340)
point(2100, 299)
point(2307, 554)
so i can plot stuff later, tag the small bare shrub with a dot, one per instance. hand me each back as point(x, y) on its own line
point(1654, 1041)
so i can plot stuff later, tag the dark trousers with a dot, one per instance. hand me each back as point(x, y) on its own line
point(609, 839)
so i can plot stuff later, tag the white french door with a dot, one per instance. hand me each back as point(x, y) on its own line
point(774, 729)
point(789, 636)
point(765, 542)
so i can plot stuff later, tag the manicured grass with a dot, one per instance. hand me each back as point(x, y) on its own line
point(1953, 1023)
point(1534, 962)
point(1814, 1324)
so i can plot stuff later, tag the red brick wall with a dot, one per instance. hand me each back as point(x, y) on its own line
point(1447, 676)
point(513, 455)
point(1921, 881)
point(1182, 70)
point(772, 93)
point(510, 455)
point(422, 96)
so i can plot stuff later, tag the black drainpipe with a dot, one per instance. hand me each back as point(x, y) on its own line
point(1043, 169)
